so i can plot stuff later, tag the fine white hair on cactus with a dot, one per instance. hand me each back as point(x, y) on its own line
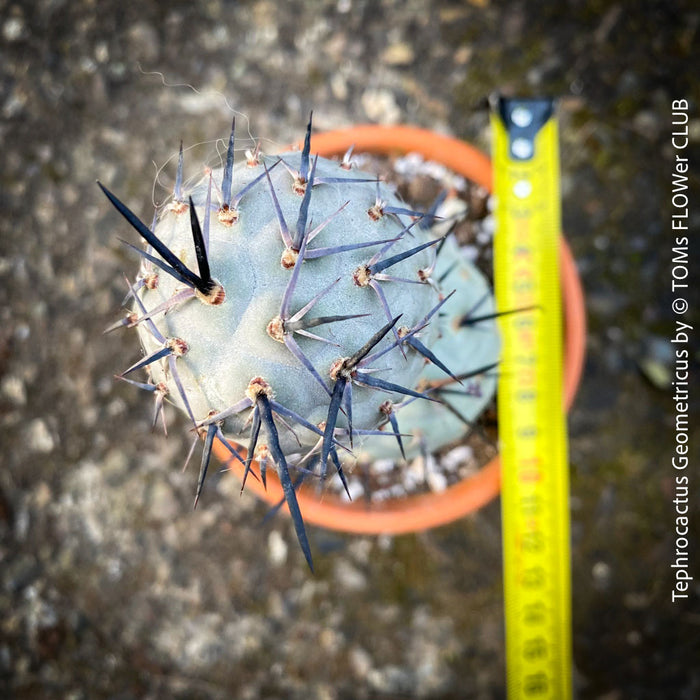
point(309, 312)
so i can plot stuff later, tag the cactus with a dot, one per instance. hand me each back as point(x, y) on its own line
point(308, 312)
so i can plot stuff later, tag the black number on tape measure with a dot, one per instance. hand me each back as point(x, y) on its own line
point(535, 649)
point(534, 577)
point(534, 613)
point(536, 684)
point(533, 541)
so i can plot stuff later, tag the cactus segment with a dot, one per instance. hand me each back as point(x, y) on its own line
point(285, 335)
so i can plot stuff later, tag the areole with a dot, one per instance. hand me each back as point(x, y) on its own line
point(424, 511)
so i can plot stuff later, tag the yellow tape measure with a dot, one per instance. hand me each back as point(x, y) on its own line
point(532, 427)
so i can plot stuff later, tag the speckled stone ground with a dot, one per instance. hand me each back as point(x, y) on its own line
point(110, 586)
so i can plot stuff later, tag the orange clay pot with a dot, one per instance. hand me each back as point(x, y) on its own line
point(420, 512)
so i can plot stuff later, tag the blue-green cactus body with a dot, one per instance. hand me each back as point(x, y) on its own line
point(299, 307)
point(228, 344)
point(466, 350)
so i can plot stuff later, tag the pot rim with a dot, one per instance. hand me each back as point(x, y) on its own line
point(423, 511)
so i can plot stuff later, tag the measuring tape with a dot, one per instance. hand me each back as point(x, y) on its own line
point(532, 427)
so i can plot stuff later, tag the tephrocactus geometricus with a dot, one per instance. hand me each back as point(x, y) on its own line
point(297, 304)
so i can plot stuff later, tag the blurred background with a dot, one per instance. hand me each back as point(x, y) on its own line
point(110, 586)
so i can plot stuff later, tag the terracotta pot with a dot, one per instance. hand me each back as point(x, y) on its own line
point(420, 512)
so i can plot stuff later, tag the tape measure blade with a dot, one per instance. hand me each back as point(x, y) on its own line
point(532, 426)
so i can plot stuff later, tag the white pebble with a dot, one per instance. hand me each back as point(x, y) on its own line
point(13, 389)
point(457, 456)
point(277, 548)
point(39, 439)
point(437, 481)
